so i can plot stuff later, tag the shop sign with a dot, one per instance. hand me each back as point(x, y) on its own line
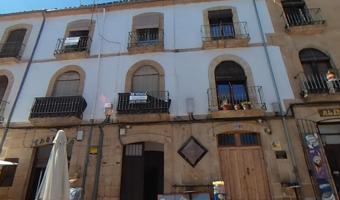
point(44, 141)
point(329, 112)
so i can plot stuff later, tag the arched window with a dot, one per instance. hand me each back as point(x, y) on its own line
point(146, 79)
point(231, 83)
point(13, 43)
point(314, 62)
point(67, 84)
point(3, 86)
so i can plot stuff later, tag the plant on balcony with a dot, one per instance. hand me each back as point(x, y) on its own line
point(331, 76)
point(225, 105)
point(237, 107)
point(246, 105)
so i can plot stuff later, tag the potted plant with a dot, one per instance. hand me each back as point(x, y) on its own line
point(237, 107)
point(225, 105)
point(331, 76)
point(246, 105)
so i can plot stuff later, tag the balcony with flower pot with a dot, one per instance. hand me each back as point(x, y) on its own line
point(236, 103)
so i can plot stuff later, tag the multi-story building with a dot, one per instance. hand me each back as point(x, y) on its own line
point(307, 32)
point(198, 88)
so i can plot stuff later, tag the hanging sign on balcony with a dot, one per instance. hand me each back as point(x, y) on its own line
point(138, 97)
point(329, 112)
point(71, 41)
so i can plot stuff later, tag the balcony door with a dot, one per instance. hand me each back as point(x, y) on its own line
point(296, 13)
point(231, 83)
point(67, 84)
point(13, 44)
point(315, 66)
point(146, 79)
point(221, 24)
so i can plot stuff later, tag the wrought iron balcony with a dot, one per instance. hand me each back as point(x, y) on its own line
point(148, 102)
point(317, 84)
point(146, 37)
point(73, 44)
point(301, 17)
point(236, 99)
point(68, 106)
point(11, 49)
point(236, 30)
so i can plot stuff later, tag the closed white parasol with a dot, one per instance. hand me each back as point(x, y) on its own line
point(55, 184)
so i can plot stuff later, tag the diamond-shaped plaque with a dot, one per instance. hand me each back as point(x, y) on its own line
point(192, 151)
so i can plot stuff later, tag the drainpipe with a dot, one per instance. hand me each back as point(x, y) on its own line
point(89, 141)
point(22, 82)
point(99, 158)
point(277, 94)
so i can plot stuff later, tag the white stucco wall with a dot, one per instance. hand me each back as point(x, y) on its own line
point(186, 73)
point(186, 76)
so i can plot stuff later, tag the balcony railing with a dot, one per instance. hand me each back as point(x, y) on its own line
point(146, 38)
point(237, 100)
point(148, 102)
point(301, 17)
point(11, 49)
point(68, 106)
point(317, 83)
point(73, 44)
point(236, 30)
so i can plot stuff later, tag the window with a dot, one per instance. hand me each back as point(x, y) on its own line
point(13, 44)
point(67, 84)
point(146, 29)
point(226, 140)
point(145, 79)
point(221, 24)
point(8, 173)
point(230, 83)
point(296, 13)
point(3, 86)
point(314, 62)
point(238, 139)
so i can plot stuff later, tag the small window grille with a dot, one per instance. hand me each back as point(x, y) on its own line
point(226, 140)
point(249, 139)
point(134, 150)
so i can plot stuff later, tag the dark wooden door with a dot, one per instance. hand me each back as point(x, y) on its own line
point(132, 183)
point(13, 43)
point(39, 166)
point(153, 174)
point(332, 152)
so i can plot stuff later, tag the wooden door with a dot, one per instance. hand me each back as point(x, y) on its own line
point(132, 183)
point(332, 153)
point(243, 172)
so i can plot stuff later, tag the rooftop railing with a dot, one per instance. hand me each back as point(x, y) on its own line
point(237, 100)
point(11, 49)
point(73, 44)
point(143, 102)
point(68, 106)
point(301, 17)
point(235, 30)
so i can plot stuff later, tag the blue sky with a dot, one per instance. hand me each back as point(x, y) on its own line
point(9, 6)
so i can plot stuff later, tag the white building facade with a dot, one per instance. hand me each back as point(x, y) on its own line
point(193, 85)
